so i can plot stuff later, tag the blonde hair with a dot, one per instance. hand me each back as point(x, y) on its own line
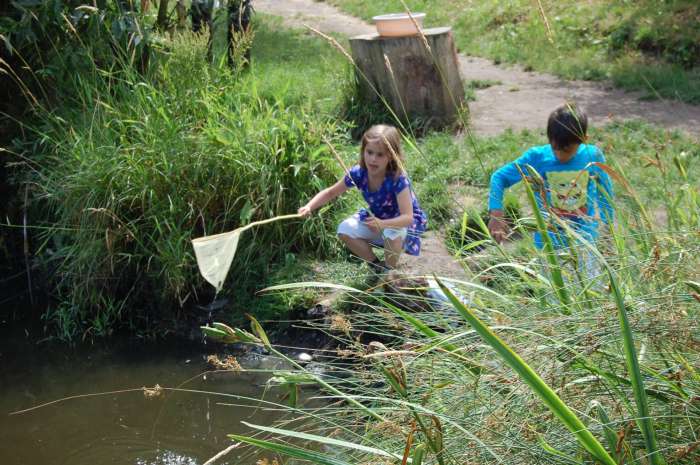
point(390, 138)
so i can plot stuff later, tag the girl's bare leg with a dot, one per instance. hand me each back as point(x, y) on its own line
point(392, 251)
point(359, 247)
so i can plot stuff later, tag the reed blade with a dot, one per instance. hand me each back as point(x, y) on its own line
point(533, 380)
point(640, 396)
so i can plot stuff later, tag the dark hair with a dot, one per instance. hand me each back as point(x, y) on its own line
point(567, 125)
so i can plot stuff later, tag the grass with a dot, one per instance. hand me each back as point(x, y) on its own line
point(645, 45)
point(573, 365)
point(472, 86)
point(130, 167)
point(533, 364)
point(451, 181)
point(127, 176)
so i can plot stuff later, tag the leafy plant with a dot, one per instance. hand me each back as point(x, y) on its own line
point(131, 167)
point(501, 376)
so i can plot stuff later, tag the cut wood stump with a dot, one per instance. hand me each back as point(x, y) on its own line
point(418, 82)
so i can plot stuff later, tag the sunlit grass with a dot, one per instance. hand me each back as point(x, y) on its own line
point(132, 167)
point(589, 40)
point(623, 359)
point(620, 351)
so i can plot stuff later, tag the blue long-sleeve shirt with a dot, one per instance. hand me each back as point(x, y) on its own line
point(575, 190)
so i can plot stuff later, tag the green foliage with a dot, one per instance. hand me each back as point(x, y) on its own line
point(532, 379)
point(434, 162)
point(272, 307)
point(670, 32)
point(639, 44)
point(44, 46)
point(646, 423)
point(472, 86)
point(471, 234)
point(132, 168)
point(54, 40)
point(618, 370)
point(594, 369)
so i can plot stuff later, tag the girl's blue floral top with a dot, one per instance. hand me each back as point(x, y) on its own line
point(384, 205)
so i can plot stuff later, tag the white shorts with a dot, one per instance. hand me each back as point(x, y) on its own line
point(353, 227)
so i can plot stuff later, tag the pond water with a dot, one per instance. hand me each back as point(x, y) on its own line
point(176, 428)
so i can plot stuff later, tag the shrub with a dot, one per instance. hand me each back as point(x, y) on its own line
point(134, 168)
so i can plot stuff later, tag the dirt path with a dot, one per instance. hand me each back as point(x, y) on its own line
point(522, 100)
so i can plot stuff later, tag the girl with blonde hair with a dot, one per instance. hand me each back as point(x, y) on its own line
point(394, 219)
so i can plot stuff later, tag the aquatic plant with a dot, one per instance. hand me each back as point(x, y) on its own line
point(604, 372)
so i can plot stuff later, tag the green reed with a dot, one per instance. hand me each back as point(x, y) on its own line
point(612, 381)
point(131, 167)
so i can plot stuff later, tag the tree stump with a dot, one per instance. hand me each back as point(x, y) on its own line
point(416, 82)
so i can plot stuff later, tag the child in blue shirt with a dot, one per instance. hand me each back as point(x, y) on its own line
point(575, 188)
point(394, 219)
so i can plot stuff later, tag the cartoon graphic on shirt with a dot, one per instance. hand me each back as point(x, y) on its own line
point(569, 192)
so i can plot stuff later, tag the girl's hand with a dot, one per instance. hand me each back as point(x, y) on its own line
point(375, 224)
point(304, 211)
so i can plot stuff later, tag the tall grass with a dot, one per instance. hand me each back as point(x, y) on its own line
point(133, 167)
point(612, 379)
point(129, 167)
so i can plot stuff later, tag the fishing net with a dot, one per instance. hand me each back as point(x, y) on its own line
point(215, 253)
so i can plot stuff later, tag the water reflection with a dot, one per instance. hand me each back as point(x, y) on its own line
point(176, 428)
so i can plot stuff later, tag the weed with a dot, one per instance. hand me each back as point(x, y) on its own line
point(565, 373)
point(603, 375)
point(127, 177)
point(472, 86)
